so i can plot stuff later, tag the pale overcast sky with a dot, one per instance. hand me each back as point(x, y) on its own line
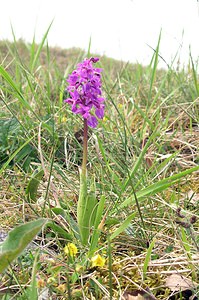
point(118, 28)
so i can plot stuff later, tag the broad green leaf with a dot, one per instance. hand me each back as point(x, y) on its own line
point(86, 208)
point(32, 293)
point(88, 217)
point(17, 240)
point(59, 211)
point(33, 185)
point(97, 230)
point(185, 241)
point(100, 209)
point(60, 231)
point(69, 220)
point(147, 258)
point(81, 205)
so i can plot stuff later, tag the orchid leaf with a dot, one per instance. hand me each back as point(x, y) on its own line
point(17, 240)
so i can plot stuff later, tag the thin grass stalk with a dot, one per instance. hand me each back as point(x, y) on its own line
point(110, 268)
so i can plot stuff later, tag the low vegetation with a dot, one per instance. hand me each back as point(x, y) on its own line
point(143, 159)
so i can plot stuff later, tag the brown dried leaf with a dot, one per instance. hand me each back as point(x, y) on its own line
point(176, 282)
point(137, 295)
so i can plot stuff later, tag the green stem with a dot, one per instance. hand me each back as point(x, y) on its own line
point(82, 207)
point(85, 148)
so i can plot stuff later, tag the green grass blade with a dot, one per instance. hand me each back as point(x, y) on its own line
point(144, 115)
point(12, 156)
point(195, 76)
point(154, 66)
point(158, 186)
point(20, 96)
point(89, 48)
point(36, 56)
point(123, 226)
point(139, 161)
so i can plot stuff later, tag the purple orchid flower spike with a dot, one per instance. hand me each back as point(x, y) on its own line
point(85, 92)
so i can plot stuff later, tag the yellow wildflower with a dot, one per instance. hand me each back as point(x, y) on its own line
point(79, 269)
point(52, 280)
point(63, 119)
point(120, 105)
point(61, 288)
point(40, 283)
point(97, 261)
point(70, 249)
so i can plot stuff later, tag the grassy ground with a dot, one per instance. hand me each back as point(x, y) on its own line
point(141, 155)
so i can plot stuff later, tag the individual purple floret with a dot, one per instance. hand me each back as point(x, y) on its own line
point(85, 91)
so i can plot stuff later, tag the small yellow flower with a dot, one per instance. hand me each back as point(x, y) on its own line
point(79, 269)
point(120, 105)
point(52, 281)
point(61, 288)
point(40, 283)
point(97, 261)
point(63, 119)
point(70, 249)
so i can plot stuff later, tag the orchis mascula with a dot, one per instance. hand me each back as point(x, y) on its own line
point(86, 99)
point(85, 91)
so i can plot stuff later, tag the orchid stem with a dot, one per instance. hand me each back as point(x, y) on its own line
point(85, 148)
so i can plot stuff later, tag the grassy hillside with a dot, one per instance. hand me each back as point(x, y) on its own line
point(143, 158)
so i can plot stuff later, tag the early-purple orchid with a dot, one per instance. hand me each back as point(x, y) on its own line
point(85, 91)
